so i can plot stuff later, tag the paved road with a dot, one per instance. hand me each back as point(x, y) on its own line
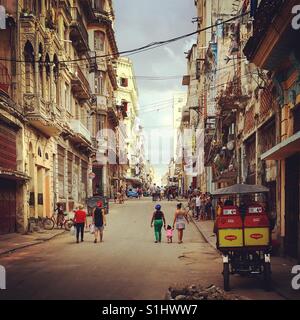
point(127, 265)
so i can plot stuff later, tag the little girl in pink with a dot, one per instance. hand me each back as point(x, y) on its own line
point(169, 234)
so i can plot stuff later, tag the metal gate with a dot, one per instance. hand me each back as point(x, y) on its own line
point(7, 206)
point(292, 206)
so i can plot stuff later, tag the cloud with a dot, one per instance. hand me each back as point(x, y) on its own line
point(139, 22)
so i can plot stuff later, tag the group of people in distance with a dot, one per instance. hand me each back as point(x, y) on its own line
point(201, 205)
point(158, 221)
point(161, 193)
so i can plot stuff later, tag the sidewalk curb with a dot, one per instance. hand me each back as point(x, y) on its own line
point(33, 243)
point(203, 235)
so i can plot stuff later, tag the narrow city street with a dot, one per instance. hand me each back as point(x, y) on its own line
point(127, 265)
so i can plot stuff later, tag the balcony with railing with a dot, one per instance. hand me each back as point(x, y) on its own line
point(272, 33)
point(100, 12)
point(41, 114)
point(82, 134)
point(112, 73)
point(87, 6)
point(80, 84)
point(113, 112)
point(78, 34)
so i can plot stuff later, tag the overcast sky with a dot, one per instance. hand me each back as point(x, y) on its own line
point(139, 22)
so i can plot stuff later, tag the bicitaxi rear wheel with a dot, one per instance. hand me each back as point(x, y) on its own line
point(226, 276)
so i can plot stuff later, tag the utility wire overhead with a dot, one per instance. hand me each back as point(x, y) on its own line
point(149, 46)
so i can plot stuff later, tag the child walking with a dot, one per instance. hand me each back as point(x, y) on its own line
point(169, 234)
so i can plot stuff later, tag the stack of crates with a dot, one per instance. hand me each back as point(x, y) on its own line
point(233, 232)
point(229, 228)
point(256, 227)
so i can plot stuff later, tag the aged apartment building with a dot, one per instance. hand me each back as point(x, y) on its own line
point(106, 115)
point(57, 84)
point(127, 100)
point(278, 53)
point(248, 98)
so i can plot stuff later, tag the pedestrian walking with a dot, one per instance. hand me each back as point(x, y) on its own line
point(153, 192)
point(179, 220)
point(198, 206)
point(168, 194)
point(122, 195)
point(60, 215)
point(202, 207)
point(192, 204)
point(162, 193)
point(80, 220)
point(208, 208)
point(169, 234)
point(158, 220)
point(99, 221)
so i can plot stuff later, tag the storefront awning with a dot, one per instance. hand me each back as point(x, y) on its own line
point(284, 149)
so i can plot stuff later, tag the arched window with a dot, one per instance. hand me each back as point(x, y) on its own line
point(99, 40)
point(39, 152)
point(29, 67)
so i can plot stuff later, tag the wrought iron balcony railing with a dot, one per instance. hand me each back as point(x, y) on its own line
point(266, 12)
point(79, 34)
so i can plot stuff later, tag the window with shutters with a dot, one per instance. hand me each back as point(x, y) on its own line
point(8, 147)
point(29, 67)
point(99, 83)
point(67, 94)
point(99, 40)
point(101, 122)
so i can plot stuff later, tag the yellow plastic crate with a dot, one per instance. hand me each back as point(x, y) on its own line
point(257, 236)
point(230, 238)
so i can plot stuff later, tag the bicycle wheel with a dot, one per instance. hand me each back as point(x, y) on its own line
point(48, 224)
point(68, 225)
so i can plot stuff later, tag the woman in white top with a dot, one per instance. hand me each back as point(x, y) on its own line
point(179, 219)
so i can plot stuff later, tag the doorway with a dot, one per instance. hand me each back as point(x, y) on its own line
point(8, 219)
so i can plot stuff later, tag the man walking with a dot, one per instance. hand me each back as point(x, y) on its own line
point(99, 221)
point(80, 220)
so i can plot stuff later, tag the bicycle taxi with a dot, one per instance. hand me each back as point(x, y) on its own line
point(243, 231)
